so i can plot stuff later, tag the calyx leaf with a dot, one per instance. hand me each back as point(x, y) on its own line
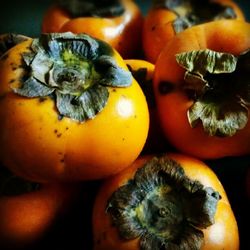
point(163, 207)
point(221, 87)
point(9, 40)
point(94, 8)
point(193, 12)
point(75, 69)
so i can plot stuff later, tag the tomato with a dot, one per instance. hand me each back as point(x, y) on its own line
point(111, 21)
point(150, 205)
point(167, 18)
point(28, 210)
point(143, 72)
point(69, 109)
point(203, 108)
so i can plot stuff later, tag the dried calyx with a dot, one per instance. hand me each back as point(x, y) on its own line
point(12, 185)
point(94, 8)
point(73, 69)
point(163, 207)
point(9, 40)
point(193, 12)
point(220, 88)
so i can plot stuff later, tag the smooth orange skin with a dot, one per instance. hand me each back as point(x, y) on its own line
point(158, 29)
point(26, 218)
point(155, 141)
point(123, 32)
point(224, 36)
point(37, 145)
point(223, 234)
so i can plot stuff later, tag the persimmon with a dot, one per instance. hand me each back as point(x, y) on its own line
point(118, 22)
point(170, 201)
point(202, 90)
point(69, 109)
point(165, 19)
point(28, 210)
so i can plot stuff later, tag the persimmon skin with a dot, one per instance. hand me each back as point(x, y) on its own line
point(223, 36)
point(27, 217)
point(158, 29)
point(223, 234)
point(122, 32)
point(37, 145)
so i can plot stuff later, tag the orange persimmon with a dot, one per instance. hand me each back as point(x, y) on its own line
point(29, 210)
point(167, 18)
point(69, 109)
point(202, 89)
point(168, 202)
point(119, 23)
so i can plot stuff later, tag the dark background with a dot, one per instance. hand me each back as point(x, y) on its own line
point(73, 231)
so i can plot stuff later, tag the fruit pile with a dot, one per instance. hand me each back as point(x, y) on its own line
point(126, 130)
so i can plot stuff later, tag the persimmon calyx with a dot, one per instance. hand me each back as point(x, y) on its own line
point(220, 86)
point(12, 185)
point(163, 207)
point(9, 40)
point(94, 8)
point(194, 12)
point(75, 70)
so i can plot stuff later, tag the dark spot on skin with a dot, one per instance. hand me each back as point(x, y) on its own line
point(42, 99)
point(153, 28)
point(62, 160)
point(165, 87)
point(14, 68)
point(67, 128)
point(135, 116)
point(113, 90)
point(123, 139)
point(59, 135)
point(12, 80)
point(60, 153)
point(55, 131)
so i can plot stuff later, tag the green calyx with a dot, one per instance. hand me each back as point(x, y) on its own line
point(221, 90)
point(75, 70)
point(194, 12)
point(94, 8)
point(11, 185)
point(163, 207)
